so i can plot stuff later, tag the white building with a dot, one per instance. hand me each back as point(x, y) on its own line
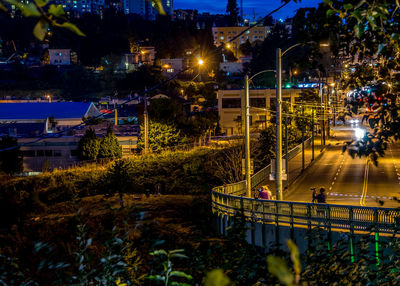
point(59, 57)
point(231, 108)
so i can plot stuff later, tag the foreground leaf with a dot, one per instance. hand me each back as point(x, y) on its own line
point(41, 28)
point(278, 267)
point(73, 28)
point(216, 277)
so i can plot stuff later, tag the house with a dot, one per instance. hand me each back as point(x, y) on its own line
point(59, 57)
point(143, 56)
point(171, 67)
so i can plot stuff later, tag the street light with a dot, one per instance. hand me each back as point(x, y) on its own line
point(247, 131)
point(200, 62)
point(278, 165)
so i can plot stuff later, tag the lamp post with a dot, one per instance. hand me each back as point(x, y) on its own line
point(247, 130)
point(278, 165)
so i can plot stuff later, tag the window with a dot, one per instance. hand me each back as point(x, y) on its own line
point(258, 102)
point(231, 103)
point(261, 37)
point(221, 38)
point(170, 70)
point(28, 153)
point(48, 153)
point(57, 153)
point(74, 153)
point(221, 33)
point(255, 32)
point(250, 120)
point(39, 153)
point(263, 118)
point(247, 32)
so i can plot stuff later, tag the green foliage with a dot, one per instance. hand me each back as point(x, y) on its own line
point(53, 15)
point(88, 146)
point(10, 160)
point(109, 146)
point(161, 135)
point(167, 273)
point(216, 277)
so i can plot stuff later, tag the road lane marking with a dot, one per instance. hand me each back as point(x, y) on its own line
point(365, 185)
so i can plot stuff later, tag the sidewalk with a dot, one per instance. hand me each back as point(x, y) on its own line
point(296, 165)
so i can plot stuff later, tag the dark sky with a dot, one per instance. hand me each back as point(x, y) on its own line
point(250, 7)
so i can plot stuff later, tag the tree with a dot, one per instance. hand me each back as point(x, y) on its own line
point(109, 146)
point(10, 161)
point(161, 135)
point(233, 10)
point(88, 146)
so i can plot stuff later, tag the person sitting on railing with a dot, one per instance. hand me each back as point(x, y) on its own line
point(264, 193)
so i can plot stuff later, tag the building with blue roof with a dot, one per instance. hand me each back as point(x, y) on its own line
point(65, 113)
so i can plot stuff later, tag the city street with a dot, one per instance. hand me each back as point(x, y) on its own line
point(348, 180)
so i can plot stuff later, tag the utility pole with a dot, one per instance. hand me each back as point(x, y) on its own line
point(247, 137)
point(286, 152)
point(312, 135)
point(278, 171)
point(146, 127)
point(323, 114)
point(302, 136)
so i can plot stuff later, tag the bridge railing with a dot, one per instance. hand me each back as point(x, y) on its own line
point(297, 214)
point(239, 188)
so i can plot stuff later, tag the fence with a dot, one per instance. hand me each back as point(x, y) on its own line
point(239, 188)
point(296, 214)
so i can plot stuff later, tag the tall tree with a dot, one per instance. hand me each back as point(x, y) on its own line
point(109, 146)
point(233, 10)
point(88, 146)
point(11, 160)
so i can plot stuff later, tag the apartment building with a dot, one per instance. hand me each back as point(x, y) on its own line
point(223, 35)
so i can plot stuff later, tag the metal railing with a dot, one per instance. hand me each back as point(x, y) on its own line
point(239, 188)
point(296, 214)
point(230, 199)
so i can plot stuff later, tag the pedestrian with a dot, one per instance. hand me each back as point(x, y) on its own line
point(264, 193)
point(321, 197)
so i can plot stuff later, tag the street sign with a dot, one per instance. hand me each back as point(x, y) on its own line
point(272, 177)
point(244, 166)
point(273, 166)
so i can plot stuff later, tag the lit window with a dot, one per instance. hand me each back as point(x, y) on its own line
point(247, 32)
point(221, 38)
point(170, 70)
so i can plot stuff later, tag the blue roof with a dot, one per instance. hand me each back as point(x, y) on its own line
point(43, 110)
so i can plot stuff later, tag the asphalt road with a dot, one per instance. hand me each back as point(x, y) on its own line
point(350, 180)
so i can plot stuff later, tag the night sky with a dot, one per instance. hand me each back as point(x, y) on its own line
point(260, 7)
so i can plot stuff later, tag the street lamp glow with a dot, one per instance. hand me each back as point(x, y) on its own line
point(228, 46)
point(200, 62)
point(359, 133)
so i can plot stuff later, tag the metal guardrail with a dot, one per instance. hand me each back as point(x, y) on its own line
point(239, 188)
point(296, 214)
point(229, 200)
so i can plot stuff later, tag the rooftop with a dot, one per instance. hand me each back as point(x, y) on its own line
point(43, 110)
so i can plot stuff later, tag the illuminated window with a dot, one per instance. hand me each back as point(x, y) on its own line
point(247, 32)
point(170, 70)
point(221, 38)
